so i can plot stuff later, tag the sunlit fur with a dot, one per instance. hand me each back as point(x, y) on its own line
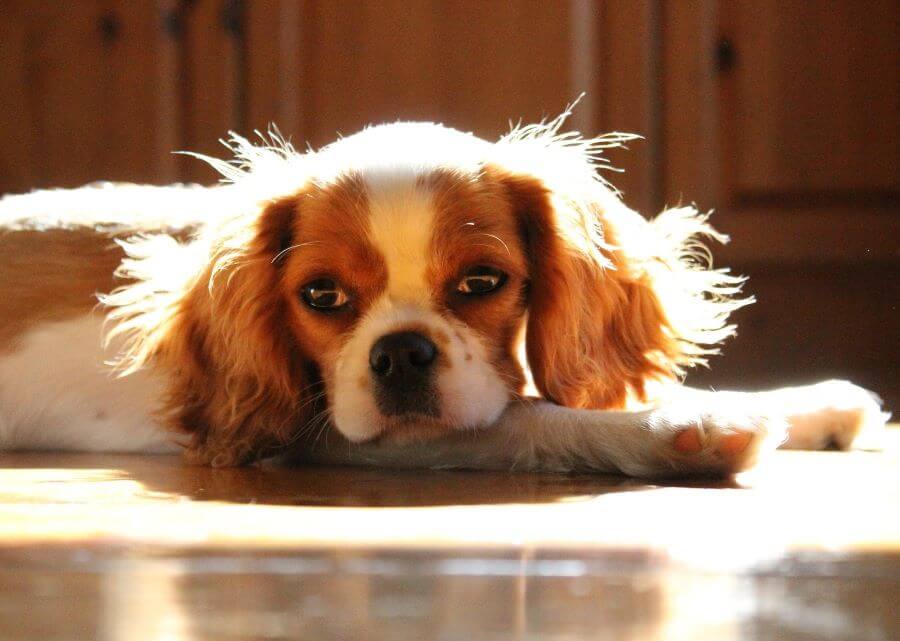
point(601, 309)
point(613, 302)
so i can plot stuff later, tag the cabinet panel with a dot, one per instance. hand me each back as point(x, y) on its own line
point(782, 116)
point(765, 120)
point(107, 90)
point(513, 62)
point(210, 81)
point(318, 68)
point(810, 103)
point(625, 60)
point(360, 63)
point(84, 87)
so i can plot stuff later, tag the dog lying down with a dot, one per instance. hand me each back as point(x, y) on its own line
point(407, 296)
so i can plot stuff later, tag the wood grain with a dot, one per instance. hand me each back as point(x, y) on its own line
point(82, 87)
point(814, 98)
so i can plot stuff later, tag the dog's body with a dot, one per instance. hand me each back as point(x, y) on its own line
point(367, 303)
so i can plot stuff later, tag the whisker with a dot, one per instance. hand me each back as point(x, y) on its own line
point(498, 239)
point(310, 386)
point(308, 427)
point(311, 400)
point(320, 424)
point(292, 247)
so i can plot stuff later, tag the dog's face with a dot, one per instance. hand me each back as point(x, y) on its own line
point(407, 286)
point(385, 284)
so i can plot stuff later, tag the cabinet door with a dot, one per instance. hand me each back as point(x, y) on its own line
point(340, 66)
point(87, 88)
point(318, 69)
point(108, 89)
point(783, 116)
point(811, 99)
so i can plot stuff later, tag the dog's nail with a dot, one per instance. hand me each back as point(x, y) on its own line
point(734, 444)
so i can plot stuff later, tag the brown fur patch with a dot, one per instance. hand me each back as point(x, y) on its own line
point(597, 332)
point(51, 275)
point(246, 358)
point(476, 226)
point(332, 242)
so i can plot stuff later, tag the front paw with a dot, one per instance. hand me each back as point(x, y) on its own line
point(717, 441)
point(834, 413)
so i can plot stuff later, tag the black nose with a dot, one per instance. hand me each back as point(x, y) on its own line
point(402, 367)
point(402, 355)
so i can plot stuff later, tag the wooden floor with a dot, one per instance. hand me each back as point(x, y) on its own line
point(121, 547)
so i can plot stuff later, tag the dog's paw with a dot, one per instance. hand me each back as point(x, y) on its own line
point(712, 442)
point(834, 413)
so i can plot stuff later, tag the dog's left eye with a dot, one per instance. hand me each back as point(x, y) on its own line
point(481, 280)
point(324, 294)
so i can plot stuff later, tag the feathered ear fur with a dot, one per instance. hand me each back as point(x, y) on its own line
point(212, 315)
point(616, 301)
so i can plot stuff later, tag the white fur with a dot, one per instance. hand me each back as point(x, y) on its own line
point(118, 207)
point(56, 393)
point(832, 412)
point(401, 220)
point(536, 435)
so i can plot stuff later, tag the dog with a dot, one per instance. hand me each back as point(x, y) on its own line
point(407, 296)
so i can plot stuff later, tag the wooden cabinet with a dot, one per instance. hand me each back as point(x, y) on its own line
point(470, 65)
point(108, 89)
point(780, 114)
point(783, 116)
point(810, 100)
point(88, 92)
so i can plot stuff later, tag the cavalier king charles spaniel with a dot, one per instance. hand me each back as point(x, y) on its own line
point(408, 296)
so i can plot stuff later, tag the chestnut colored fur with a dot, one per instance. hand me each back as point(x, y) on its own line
point(598, 330)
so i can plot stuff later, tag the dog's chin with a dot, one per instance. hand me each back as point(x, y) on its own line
point(410, 428)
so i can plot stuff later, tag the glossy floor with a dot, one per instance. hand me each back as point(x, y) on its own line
point(119, 547)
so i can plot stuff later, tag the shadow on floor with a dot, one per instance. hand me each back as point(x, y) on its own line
point(167, 477)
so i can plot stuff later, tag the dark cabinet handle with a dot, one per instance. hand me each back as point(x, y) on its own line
point(110, 27)
point(726, 56)
point(232, 17)
point(173, 20)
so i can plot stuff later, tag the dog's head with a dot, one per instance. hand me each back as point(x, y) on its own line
point(402, 282)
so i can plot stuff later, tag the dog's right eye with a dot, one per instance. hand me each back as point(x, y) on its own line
point(324, 295)
point(481, 280)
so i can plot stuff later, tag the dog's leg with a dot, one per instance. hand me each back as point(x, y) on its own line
point(675, 440)
point(828, 414)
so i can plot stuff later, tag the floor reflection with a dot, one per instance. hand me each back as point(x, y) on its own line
point(139, 548)
point(406, 596)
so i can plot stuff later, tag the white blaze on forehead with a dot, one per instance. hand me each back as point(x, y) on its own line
point(401, 219)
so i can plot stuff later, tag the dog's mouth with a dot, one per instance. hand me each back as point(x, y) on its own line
point(408, 407)
point(410, 427)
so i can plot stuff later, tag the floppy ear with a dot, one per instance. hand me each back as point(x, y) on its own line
point(615, 301)
point(211, 314)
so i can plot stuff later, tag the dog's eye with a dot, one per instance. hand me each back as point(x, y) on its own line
point(481, 280)
point(323, 294)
